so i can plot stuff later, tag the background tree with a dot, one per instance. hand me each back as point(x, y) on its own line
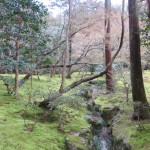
point(109, 76)
point(148, 5)
point(67, 46)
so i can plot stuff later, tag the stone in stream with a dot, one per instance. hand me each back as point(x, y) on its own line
point(109, 112)
point(93, 120)
point(120, 144)
point(88, 94)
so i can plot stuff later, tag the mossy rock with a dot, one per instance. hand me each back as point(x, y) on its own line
point(110, 111)
point(88, 94)
point(93, 120)
point(76, 143)
point(120, 144)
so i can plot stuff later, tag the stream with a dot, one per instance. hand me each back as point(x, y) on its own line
point(102, 134)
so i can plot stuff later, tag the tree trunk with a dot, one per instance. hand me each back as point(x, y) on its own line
point(148, 5)
point(16, 69)
point(23, 80)
point(70, 56)
point(64, 65)
point(141, 107)
point(109, 75)
point(66, 50)
point(70, 41)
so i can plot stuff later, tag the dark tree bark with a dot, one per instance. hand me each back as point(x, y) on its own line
point(141, 107)
point(109, 75)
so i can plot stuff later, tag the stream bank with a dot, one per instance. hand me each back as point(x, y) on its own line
point(100, 136)
point(101, 120)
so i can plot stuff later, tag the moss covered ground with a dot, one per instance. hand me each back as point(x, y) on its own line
point(17, 117)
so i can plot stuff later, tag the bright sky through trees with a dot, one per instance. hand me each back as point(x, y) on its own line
point(56, 10)
point(115, 2)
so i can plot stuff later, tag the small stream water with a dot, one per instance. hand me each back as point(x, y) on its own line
point(102, 136)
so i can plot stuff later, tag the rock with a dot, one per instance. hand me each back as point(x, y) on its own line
point(88, 94)
point(96, 108)
point(44, 104)
point(93, 107)
point(109, 112)
point(92, 82)
point(120, 144)
point(94, 120)
point(90, 107)
point(76, 144)
point(85, 133)
point(70, 146)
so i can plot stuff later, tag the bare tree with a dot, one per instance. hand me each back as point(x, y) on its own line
point(67, 47)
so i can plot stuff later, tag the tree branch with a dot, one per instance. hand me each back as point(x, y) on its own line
point(52, 97)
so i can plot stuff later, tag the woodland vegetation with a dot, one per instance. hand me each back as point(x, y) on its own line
point(79, 79)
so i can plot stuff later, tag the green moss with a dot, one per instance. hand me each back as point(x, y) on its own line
point(109, 99)
point(15, 136)
point(141, 140)
point(78, 124)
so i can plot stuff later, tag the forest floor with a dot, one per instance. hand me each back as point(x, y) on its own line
point(17, 117)
point(18, 130)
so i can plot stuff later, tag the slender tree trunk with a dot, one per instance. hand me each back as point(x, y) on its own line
point(66, 50)
point(70, 56)
point(109, 75)
point(23, 80)
point(53, 70)
point(141, 107)
point(64, 65)
point(9, 53)
point(148, 4)
point(16, 69)
point(70, 40)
